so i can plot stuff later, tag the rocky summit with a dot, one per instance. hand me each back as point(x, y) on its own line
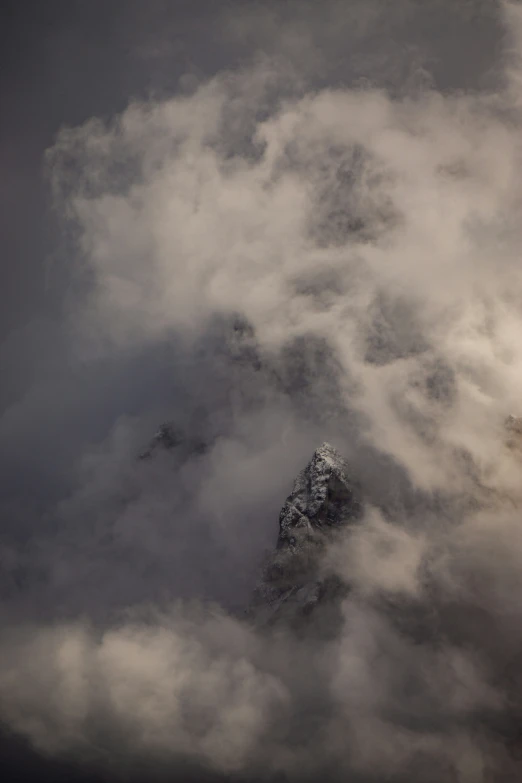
point(323, 497)
point(324, 500)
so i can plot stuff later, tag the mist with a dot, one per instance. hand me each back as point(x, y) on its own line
point(314, 240)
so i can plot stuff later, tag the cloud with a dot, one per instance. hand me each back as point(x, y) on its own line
point(286, 262)
point(172, 688)
point(340, 213)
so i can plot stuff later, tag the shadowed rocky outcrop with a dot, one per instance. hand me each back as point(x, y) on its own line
point(324, 500)
point(169, 437)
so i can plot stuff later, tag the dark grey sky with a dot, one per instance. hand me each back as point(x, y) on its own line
point(63, 62)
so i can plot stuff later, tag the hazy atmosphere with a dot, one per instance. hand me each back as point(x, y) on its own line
point(269, 225)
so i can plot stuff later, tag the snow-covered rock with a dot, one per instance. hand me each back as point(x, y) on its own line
point(323, 501)
point(322, 497)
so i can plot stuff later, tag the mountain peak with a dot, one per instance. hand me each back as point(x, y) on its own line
point(323, 500)
point(323, 496)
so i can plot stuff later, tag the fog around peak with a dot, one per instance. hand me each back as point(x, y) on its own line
point(315, 241)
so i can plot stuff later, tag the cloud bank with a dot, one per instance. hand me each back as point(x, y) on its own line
point(316, 263)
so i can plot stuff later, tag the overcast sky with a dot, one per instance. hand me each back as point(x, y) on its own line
point(271, 224)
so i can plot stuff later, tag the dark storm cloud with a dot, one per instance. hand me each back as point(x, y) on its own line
point(277, 254)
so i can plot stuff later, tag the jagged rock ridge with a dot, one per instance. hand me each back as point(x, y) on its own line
point(169, 437)
point(324, 499)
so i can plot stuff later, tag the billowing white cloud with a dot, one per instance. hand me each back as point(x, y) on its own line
point(343, 214)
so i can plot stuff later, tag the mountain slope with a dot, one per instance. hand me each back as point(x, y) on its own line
point(324, 501)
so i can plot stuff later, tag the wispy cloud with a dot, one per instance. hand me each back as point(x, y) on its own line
point(366, 240)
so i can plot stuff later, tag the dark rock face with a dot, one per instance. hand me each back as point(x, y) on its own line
point(168, 437)
point(323, 501)
point(514, 424)
point(322, 497)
